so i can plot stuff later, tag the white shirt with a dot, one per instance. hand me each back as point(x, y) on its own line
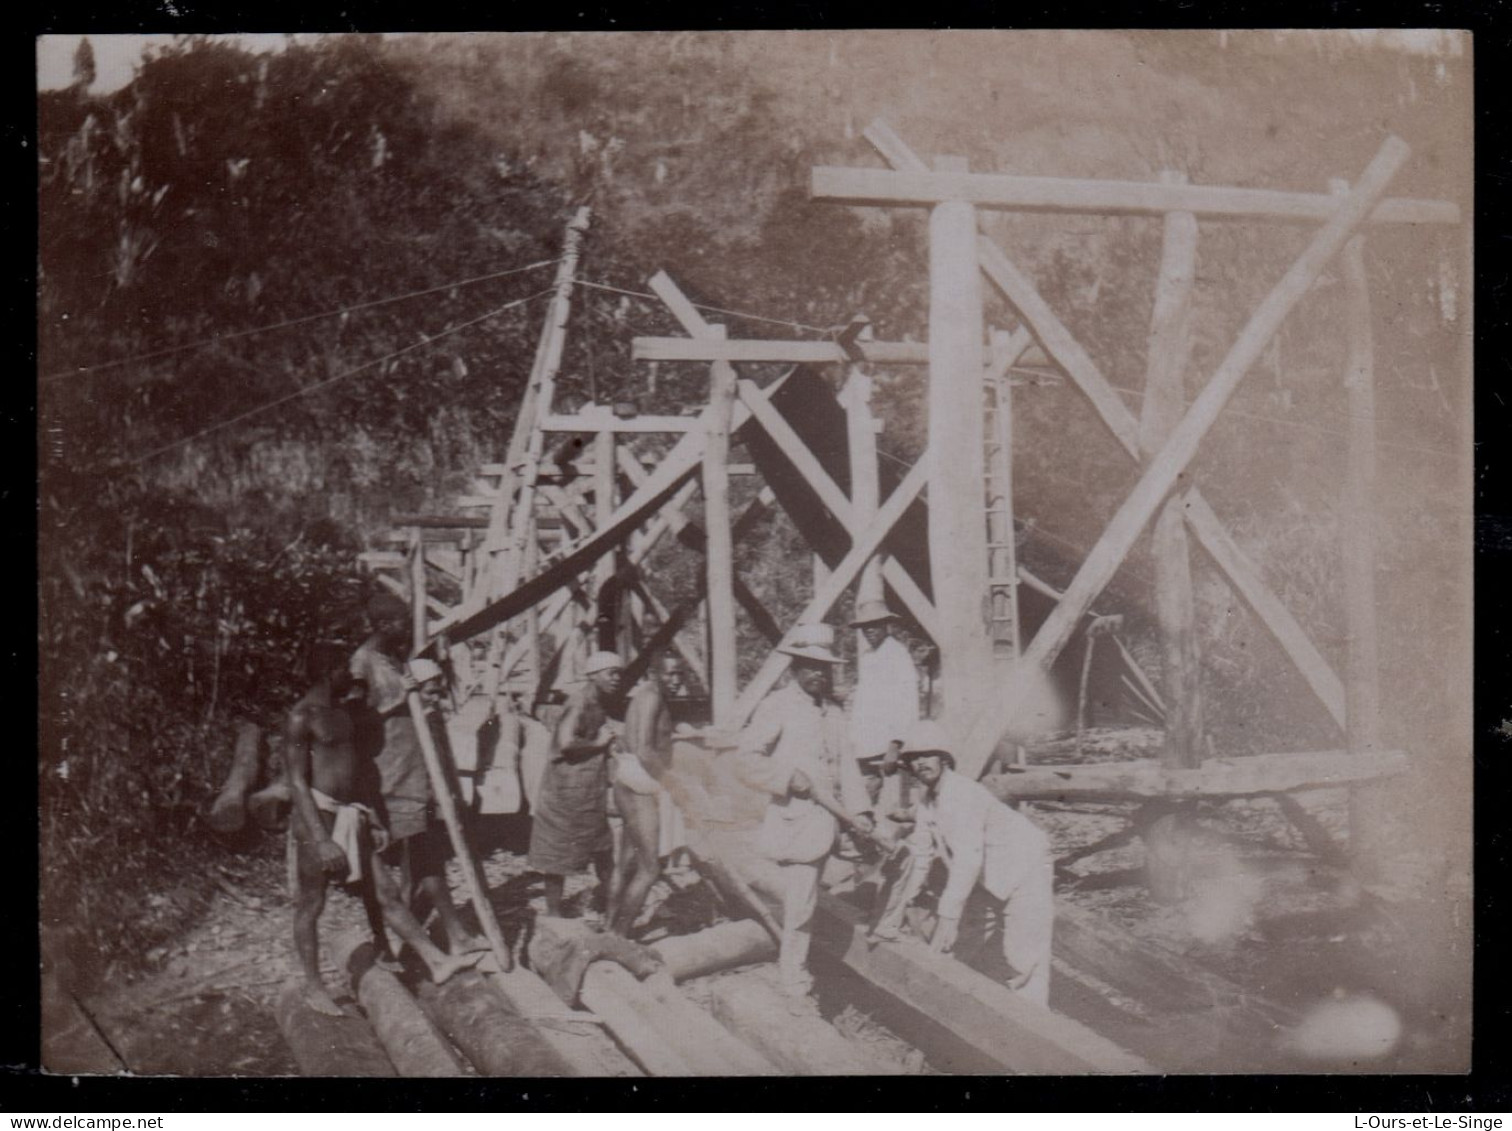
point(886, 701)
point(790, 733)
point(979, 838)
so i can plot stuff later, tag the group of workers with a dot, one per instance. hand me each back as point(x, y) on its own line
point(880, 783)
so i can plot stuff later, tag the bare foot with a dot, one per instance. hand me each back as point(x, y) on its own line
point(320, 1001)
point(450, 964)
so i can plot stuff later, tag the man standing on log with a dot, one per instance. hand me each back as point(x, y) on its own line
point(334, 834)
point(884, 708)
point(650, 818)
point(791, 750)
point(998, 862)
point(569, 829)
point(418, 843)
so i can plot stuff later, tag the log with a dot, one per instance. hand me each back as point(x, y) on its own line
point(956, 460)
point(229, 813)
point(413, 1044)
point(494, 1037)
point(1015, 1034)
point(270, 806)
point(738, 942)
point(1144, 778)
point(664, 1032)
point(329, 1046)
point(1176, 453)
point(1065, 194)
point(720, 563)
point(578, 1038)
point(752, 1008)
point(1165, 397)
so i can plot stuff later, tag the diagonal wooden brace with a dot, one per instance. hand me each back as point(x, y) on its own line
point(1181, 445)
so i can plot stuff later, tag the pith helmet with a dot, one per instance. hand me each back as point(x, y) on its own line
point(872, 612)
point(928, 737)
point(811, 642)
point(602, 662)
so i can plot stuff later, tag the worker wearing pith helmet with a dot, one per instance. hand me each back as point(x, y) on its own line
point(994, 857)
point(884, 706)
point(791, 751)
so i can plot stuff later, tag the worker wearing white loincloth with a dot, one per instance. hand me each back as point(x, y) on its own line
point(652, 823)
point(996, 858)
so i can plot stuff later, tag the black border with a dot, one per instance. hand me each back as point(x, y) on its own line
point(1486, 1089)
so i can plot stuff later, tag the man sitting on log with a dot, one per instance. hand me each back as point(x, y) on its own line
point(791, 750)
point(650, 817)
point(418, 843)
point(334, 835)
point(569, 827)
point(998, 862)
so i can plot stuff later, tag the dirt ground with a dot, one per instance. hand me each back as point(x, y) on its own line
point(1360, 976)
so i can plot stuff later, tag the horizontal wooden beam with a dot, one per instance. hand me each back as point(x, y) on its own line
point(1216, 777)
point(757, 349)
point(595, 423)
point(1065, 194)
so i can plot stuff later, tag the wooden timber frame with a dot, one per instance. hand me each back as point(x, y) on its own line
point(559, 534)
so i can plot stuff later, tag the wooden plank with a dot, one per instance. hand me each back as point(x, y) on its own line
point(803, 1044)
point(402, 591)
point(441, 777)
point(1164, 400)
point(1161, 473)
point(1253, 775)
point(956, 459)
point(1015, 1033)
point(864, 546)
point(1066, 194)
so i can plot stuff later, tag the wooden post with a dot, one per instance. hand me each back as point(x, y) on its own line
point(955, 458)
point(603, 511)
point(1164, 402)
point(1168, 837)
point(417, 587)
point(229, 813)
point(1163, 469)
point(865, 494)
point(720, 563)
point(1361, 690)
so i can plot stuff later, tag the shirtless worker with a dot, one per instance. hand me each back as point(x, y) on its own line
point(569, 828)
point(418, 844)
point(333, 835)
point(640, 760)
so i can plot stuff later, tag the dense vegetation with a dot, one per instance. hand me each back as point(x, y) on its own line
point(205, 481)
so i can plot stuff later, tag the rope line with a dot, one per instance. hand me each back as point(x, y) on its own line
point(168, 350)
point(427, 341)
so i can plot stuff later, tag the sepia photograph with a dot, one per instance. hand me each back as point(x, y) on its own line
point(755, 553)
